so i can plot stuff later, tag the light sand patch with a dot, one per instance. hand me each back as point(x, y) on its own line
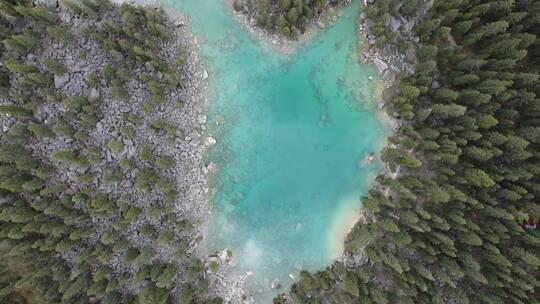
point(342, 224)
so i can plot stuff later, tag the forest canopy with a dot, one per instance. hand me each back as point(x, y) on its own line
point(456, 219)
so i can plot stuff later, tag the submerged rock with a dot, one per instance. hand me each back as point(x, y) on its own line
point(210, 141)
point(368, 159)
point(275, 284)
point(179, 23)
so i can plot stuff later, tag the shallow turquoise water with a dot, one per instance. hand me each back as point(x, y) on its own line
point(291, 133)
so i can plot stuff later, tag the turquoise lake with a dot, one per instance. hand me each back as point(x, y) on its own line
point(291, 132)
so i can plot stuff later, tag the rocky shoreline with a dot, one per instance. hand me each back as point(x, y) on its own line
point(223, 284)
point(276, 42)
point(123, 121)
point(190, 115)
point(388, 58)
point(389, 62)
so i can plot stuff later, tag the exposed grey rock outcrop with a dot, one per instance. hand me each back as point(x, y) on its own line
point(48, 3)
point(60, 81)
point(394, 24)
point(380, 64)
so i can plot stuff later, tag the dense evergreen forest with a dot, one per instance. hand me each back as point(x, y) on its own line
point(285, 17)
point(93, 205)
point(94, 100)
point(453, 219)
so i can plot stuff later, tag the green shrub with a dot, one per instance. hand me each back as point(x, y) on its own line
point(126, 164)
point(117, 91)
point(145, 153)
point(170, 129)
point(15, 110)
point(144, 257)
point(40, 80)
point(38, 14)
point(165, 162)
point(53, 189)
point(22, 43)
point(54, 66)
point(133, 118)
point(70, 157)
point(167, 276)
point(131, 214)
point(148, 231)
point(45, 172)
point(33, 185)
point(61, 34)
point(17, 132)
point(131, 255)
point(63, 129)
point(114, 177)
point(17, 67)
point(80, 135)
point(145, 178)
point(167, 186)
point(115, 145)
point(92, 79)
point(166, 236)
point(214, 266)
point(76, 103)
point(85, 178)
point(40, 130)
point(128, 132)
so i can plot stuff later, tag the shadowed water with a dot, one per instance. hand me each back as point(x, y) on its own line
point(291, 131)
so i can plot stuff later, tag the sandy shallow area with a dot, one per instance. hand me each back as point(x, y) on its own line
point(343, 224)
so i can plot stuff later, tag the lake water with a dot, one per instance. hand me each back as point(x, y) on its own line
point(291, 133)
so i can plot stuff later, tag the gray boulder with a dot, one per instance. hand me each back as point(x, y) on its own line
point(371, 39)
point(94, 94)
point(408, 26)
point(410, 55)
point(388, 76)
point(393, 24)
point(380, 64)
point(60, 81)
point(47, 3)
point(179, 23)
